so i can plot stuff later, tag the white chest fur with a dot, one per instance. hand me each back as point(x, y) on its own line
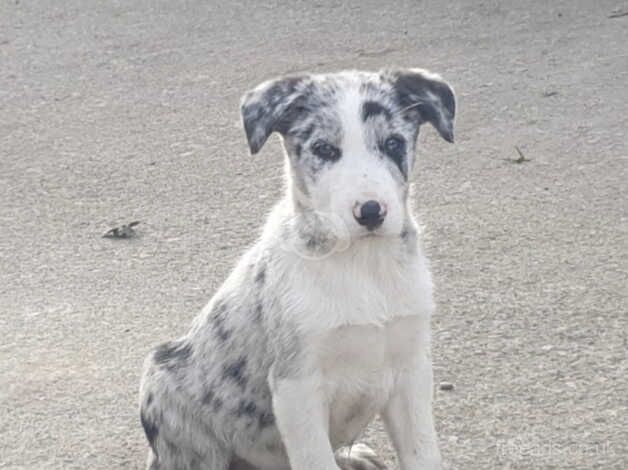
point(371, 283)
point(363, 316)
point(359, 366)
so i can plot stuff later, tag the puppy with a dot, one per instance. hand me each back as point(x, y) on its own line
point(325, 322)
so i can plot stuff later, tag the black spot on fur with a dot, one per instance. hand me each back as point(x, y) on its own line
point(318, 241)
point(222, 333)
point(312, 243)
point(150, 429)
point(293, 114)
point(173, 354)
point(373, 108)
point(246, 408)
point(218, 319)
point(208, 397)
point(266, 419)
point(260, 277)
point(259, 311)
point(302, 134)
point(217, 404)
point(272, 447)
point(149, 399)
point(235, 372)
point(298, 148)
point(409, 237)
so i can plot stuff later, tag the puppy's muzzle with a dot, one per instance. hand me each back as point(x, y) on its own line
point(369, 214)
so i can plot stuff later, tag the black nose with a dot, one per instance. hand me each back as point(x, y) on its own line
point(371, 215)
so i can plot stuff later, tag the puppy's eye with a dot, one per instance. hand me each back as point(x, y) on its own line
point(325, 150)
point(395, 146)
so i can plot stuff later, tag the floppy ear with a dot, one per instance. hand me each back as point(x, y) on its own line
point(266, 109)
point(425, 97)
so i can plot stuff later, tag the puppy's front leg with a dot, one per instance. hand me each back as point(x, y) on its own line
point(302, 416)
point(408, 418)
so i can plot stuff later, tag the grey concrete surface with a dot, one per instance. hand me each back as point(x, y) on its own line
point(115, 111)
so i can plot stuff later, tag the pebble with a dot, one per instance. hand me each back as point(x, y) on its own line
point(446, 386)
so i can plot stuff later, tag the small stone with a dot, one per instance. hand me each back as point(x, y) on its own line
point(124, 231)
point(447, 386)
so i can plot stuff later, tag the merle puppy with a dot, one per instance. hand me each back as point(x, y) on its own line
point(325, 322)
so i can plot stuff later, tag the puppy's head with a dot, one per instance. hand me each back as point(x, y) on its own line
point(350, 139)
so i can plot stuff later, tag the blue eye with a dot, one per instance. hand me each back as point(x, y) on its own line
point(325, 150)
point(394, 146)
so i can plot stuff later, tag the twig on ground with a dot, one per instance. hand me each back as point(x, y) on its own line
point(522, 158)
point(618, 14)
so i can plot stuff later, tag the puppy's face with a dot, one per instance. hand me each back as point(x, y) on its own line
point(350, 138)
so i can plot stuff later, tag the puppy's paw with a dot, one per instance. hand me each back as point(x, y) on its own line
point(358, 457)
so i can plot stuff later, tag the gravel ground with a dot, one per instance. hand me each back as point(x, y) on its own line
point(118, 111)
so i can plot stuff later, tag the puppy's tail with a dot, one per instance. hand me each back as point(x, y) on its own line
point(358, 457)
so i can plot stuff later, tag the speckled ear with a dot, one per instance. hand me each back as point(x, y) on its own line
point(425, 97)
point(267, 109)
